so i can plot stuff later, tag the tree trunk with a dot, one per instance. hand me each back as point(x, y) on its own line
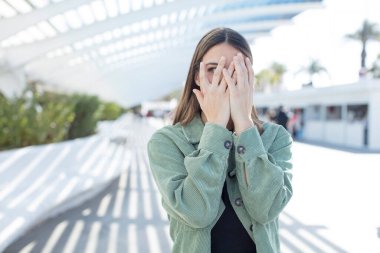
point(363, 56)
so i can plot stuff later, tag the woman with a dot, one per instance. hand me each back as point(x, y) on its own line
point(223, 174)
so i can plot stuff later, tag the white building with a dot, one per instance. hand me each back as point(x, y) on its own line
point(122, 51)
point(344, 115)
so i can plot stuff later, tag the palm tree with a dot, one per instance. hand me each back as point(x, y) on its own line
point(312, 69)
point(368, 31)
point(270, 76)
point(278, 70)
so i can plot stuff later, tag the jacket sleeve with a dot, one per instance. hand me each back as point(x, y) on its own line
point(191, 186)
point(264, 177)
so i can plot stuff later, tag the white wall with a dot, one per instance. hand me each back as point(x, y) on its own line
point(354, 134)
point(334, 132)
point(374, 121)
point(314, 130)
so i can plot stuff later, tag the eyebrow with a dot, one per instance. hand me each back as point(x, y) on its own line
point(211, 63)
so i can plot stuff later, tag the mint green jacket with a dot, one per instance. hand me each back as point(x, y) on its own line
point(190, 165)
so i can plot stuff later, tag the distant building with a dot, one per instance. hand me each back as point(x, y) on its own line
point(158, 109)
point(344, 115)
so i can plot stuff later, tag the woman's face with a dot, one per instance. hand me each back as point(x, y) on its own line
point(211, 59)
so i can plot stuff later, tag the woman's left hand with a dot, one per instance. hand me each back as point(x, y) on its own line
point(241, 94)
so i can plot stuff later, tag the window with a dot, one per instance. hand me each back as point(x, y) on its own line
point(357, 112)
point(334, 112)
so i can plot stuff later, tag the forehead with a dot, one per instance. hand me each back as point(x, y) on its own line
point(220, 50)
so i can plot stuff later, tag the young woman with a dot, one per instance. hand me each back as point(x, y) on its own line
point(223, 174)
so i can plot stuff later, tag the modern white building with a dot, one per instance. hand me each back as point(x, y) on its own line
point(342, 115)
point(127, 51)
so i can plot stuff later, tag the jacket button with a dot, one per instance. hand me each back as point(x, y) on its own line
point(251, 227)
point(241, 149)
point(238, 202)
point(227, 144)
point(231, 174)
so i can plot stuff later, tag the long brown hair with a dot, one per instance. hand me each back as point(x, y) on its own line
point(188, 104)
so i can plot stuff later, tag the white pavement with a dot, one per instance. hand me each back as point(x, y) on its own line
point(336, 201)
point(335, 207)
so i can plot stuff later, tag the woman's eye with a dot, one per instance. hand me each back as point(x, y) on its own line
point(211, 70)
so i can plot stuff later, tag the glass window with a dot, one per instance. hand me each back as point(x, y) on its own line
point(357, 112)
point(334, 112)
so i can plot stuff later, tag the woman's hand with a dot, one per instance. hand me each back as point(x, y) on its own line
point(214, 97)
point(241, 94)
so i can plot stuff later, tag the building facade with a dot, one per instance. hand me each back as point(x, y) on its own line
point(343, 115)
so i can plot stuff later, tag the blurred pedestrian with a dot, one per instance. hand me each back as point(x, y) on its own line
point(282, 117)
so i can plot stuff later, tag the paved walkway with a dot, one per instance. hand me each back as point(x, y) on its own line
point(335, 208)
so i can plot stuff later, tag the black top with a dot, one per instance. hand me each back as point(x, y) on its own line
point(228, 234)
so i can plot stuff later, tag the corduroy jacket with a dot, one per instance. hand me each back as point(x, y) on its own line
point(190, 164)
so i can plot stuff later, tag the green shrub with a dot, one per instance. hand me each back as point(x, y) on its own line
point(33, 121)
point(40, 118)
point(109, 111)
point(85, 120)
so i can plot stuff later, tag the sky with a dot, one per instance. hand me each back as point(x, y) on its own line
point(320, 34)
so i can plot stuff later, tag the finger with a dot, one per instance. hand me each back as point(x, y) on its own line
point(231, 68)
point(227, 92)
point(239, 72)
point(244, 68)
point(250, 71)
point(229, 80)
point(218, 71)
point(199, 97)
point(223, 83)
point(202, 77)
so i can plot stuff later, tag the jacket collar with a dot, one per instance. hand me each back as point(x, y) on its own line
point(193, 130)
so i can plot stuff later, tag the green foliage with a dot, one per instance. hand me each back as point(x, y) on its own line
point(375, 69)
point(31, 120)
point(46, 117)
point(313, 68)
point(368, 31)
point(270, 76)
point(109, 111)
point(85, 121)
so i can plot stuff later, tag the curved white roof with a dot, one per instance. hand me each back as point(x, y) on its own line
point(124, 50)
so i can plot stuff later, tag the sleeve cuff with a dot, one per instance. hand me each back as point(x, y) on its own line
point(216, 138)
point(248, 144)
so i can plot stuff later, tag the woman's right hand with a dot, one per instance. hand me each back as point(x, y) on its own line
point(214, 97)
